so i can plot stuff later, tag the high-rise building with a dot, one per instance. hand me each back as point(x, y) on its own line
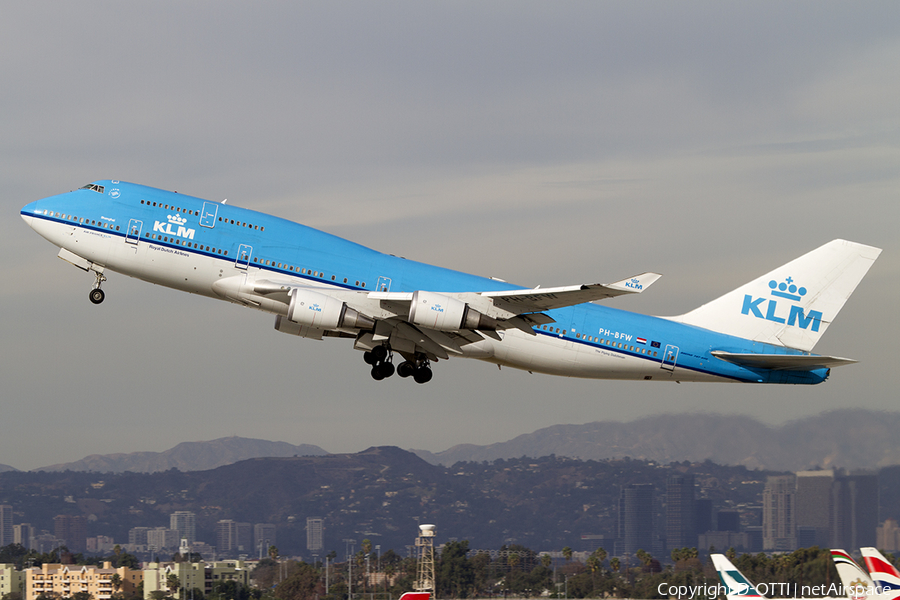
point(24, 533)
point(6, 525)
point(779, 523)
point(226, 536)
point(636, 518)
point(315, 538)
point(681, 531)
point(162, 538)
point(854, 509)
point(72, 530)
point(887, 536)
point(185, 523)
point(263, 537)
point(813, 504)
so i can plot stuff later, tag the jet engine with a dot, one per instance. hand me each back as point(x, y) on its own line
point(445, 313)
point(321, 311)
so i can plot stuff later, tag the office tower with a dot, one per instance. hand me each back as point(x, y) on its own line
point(636, 518)
point(779, 524)
point(681, 531)
point(23, 534)
point(315, 534)
point(6, 525)
point(226, 536)
point(185, 523)
point(854, 503)
point(728, 520)
point(71, 531)
point(813, 504)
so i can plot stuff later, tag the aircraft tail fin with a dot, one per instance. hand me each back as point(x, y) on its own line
point(884, 574)
point(793, 305)
point(854, 579)
point(739, 587)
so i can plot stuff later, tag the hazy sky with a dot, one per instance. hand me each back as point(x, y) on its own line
point(544, 143)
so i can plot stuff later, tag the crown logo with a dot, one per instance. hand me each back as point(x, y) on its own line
point(787, 289)
point(177, 219)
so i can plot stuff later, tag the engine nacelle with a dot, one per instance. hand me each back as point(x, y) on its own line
point(322, 311)
point(283, 325)
point(445, 313)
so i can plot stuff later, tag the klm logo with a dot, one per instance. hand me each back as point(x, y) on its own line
point(315, 308)
point(175, 226)
point(634, 284)
point(775, 309)
point(437, 308)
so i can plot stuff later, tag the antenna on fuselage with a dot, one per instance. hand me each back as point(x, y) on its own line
point(225, 200)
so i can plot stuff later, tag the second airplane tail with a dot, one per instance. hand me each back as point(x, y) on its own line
point(793, 305)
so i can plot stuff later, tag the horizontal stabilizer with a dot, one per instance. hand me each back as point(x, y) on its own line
point(783, 362)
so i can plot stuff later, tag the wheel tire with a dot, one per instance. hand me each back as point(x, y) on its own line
point(369, 358)
point(376, 373)
point(423, 375)
point(406, 369)
point(387, 369)
point(97, 296)
point(380, 353)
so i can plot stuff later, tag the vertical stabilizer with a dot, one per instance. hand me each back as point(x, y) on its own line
point(883, 573)
point(794, 304)
point(739, 587)
point(856, 582)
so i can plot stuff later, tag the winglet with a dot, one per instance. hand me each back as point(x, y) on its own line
point(636, 284)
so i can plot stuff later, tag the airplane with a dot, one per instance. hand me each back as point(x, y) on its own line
point(321, 286)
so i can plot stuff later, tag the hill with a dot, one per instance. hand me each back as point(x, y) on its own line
point(846, 438)
point(188, 456)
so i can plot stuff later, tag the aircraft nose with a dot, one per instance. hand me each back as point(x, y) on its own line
point(27, 213)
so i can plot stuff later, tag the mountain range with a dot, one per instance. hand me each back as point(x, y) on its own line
point(845, 438)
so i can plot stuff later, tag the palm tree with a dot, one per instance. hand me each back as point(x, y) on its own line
point(614, 564)
point(567, 553)
point(173, 583)
point(116, 581)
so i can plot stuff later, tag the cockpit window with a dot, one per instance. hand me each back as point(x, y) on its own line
point(93, 186)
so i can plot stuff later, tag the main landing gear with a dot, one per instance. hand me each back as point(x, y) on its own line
point(97, 295)
point(381, 359)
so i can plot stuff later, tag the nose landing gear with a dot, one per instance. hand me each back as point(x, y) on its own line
point(97, 295)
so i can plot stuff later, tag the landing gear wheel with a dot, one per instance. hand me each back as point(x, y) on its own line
point(377, 375)
point(97, 295)
point(406, 369)
point(387, 369)
point(369, 358)
point(422, 375)
point(380, 353)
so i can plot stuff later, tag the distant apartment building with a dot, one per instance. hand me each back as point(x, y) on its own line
point(681, 530)
point(202, 576)
point(185, 523)
point(233, 537)
point(636, 518)
point(6, 525)
point(887, 536)
point(72, 531)
point(263, 537)
point(779, 513)
point(100, 544)
point(11, 580)
point(24, 534)
point(67, 580)
point(162, 538)
point(315, 534)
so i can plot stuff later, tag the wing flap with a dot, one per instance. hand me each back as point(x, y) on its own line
point(783, 362)
point(541, 299)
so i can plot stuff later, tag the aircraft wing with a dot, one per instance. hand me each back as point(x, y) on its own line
point(783, 362)
point(538, 299)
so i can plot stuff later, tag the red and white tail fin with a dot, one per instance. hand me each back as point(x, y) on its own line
point(884, 574)
point(854, 579)
point(415, 596)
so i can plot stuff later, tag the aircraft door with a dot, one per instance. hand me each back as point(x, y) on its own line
point(384, 284)
point(133, 235)
point(243, 256)
point(669, 358)
point(208, 216)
